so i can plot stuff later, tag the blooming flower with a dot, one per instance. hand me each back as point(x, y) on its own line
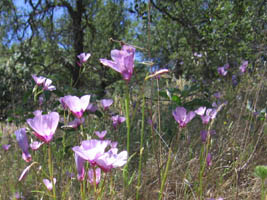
point(122, 61)
point(91, 149)
point(6, 146)
point(111, 159)
point(101, 134)
point(49, 184)
point(23, 144)
point(91, 176)
point(91, 107)
point(39, 80)
point(223, 70)
point(106, 103)
point(47, 85)
point(83, 57)
point(210, 114)
point(197, 55)
point(117, 120)
point(35, 145)
point(76, 122)
point(76, 105)
point(80, 167)
point(44, 126)
point(182, 117)
point(243, 67)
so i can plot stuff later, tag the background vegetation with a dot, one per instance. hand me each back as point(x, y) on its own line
point(191, 39)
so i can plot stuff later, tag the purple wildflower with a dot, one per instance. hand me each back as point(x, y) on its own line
point(35, 145)
point(91, 149)
point(6, 146)
point(44, 126)
point(83, 57)
point(182, 117)
point(243, 67)
point(106, 103)
point(101, 134)
point(23, 144)
point(122, 61)
point(39, 80)
point(117, 120)
point(111, 159)
point(76, 105)
point(49, 184)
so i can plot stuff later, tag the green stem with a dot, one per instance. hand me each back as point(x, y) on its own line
point(165, 175)
point(141, 149)
point(127, 113)
point(262, 190)
point(50, 166)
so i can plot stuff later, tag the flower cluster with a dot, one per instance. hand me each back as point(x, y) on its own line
point(93, 151)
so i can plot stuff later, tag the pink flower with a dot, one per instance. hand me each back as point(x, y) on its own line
point(210, 114)
point(117, 120)
point(91, 176)
point(101, 134)
point(243, 67)
point(91, 149)
point(44, 126)
point(49, 184)
point(38, 80)
point(23, 144)
point(76, 122)
point(91, 107)
point(80, 167)
point(35, 145)
point(111, 159)
point(122, 61)
point(76, 105)
point(182, 117)
point(83, 57)
point(223, 70)
point(47, 85)
point(6, 146)
point(106, 103)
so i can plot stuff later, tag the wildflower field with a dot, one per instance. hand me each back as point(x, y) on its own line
point(126, 125)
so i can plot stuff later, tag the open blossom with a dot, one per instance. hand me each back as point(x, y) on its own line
point(49, 184)
point(35, 145)
point(101, 134)
point(223, 70)
point(80, 167)
point(91, 149)
point(106, 103)
point(76, 105)
point(91, 107)
point(23, 144)
point(91, 177)
point(122, 61)
point(243, 67)
point(39, 80)
point(206, 114)
point(47, 85)
point(44, 126)
point(182, 117)
point(117, 120)
point(44, 81)
point(6, 146)
point(112, 159)
point(76, 122)
point(83, 57)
